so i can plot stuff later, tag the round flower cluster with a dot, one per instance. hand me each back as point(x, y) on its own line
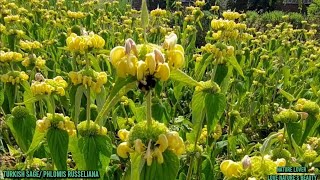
point(36, 164)
point(215, 8)
point(19, 112)
point(215, 134)
point(3, 28)
point(76, 15)
point(158, 12)
point(47, 86)
point(230, 15)
point(314, 142)
point(90, 128)
point(219, 51)
point(89, 78)
point(203, 135)
point(309, 155)
point(192, 148)
point(150, 141)
point(11, 18)
point(34, 61)
point(221, 24)
point(208, 86)
point(10, 57)
point(308, 106)
point(286, 116)
point(30, 45)
point(255, 166)
point(154, 65)
point(14, 77)
point(83, 43)
point(57, 121)
point(200, 3)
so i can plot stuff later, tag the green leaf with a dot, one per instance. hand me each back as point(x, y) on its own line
point(201, 66)
point(121, 87)
point(27, 95)
point(77, 156)
point(167, 170)
point(77, 104)
point(233, 61)
point(311, 120)
point(221, 73)
point(22, 130)
point(90, 152)
point(317, 160)
point(159, 112)
point(266, 146)
point(36, 141)
point(94, 62)
point(58, 141)
point(294, 130)
point(177, 90)
point(215, 106)
point(287, 95)
point(198, 110)
point(104, 145)
point(9, 90)
point(101, 98)
point(232, 144)
point(180, 76)
point(297, 148)
point(136, 163)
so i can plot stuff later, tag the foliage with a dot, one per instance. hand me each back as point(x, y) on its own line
point(193, 92)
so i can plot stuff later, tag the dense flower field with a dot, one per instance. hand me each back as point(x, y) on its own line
point(138, 94)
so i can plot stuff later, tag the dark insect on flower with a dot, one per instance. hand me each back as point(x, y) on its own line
point(148, 84)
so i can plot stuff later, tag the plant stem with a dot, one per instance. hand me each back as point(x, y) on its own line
point(149, 113)
point(53, 106)
point(15, 93)
point(88, 106)
point(190, 169)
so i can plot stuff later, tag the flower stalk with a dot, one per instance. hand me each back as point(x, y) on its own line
point(149, 112)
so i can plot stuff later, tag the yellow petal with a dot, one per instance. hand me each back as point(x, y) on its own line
point(163, 72)
point(176, 59)
point(151, 62)
point(170, 41)
point(117, 54)
point(139, 146)
point(234, 170)
point(158, 154)
point(121, 67)
point(123, 149)
point(159, 57)
point(141, 70)
point(163, 142)
point(123, 134)
point(224, 165)
point(178, 47)
point(131, 67)
point(281, 162)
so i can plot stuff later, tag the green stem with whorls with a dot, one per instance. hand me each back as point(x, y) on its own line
point(88, 94)
point(149, 113)
point(192, 160)
point(88, 106)
point(53, 106)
